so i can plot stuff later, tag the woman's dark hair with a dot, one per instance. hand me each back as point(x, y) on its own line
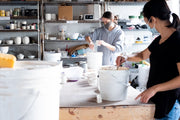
point(160, 9)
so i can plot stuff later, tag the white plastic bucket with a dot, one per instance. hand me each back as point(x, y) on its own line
point(52, 56)
point(113, 84)
point(94, 60)
point(143, 75)
point(30, 91)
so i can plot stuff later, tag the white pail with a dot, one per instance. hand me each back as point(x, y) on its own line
point(94, 60)
point(143, 75)
point(113, 84)
point(52, 56)
point(30, 91)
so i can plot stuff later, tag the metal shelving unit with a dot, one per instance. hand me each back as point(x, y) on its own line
point(26, 48)
point(126, 3)
point(53, 41)
point(72, 3)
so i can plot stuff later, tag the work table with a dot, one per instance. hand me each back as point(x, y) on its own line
point(78, 102)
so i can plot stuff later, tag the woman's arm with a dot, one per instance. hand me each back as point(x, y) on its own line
point(170, 85)
point(135, 58)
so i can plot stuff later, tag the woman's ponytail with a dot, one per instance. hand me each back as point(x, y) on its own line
point(176, 22)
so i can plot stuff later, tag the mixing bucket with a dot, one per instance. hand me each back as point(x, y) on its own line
point(94, 60)
point(113, 84)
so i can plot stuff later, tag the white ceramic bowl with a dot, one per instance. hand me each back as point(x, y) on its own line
point(52, 38)
point(4, 49)
point(74, 36)
point(31, 56)
point(9, 42)
point(20, 56)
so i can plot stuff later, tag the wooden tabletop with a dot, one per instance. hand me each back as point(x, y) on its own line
point(78, 102)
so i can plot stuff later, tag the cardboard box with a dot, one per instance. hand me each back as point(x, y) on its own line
point(65, 13)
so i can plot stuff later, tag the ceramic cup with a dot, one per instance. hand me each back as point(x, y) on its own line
point(26, 40)
point(53, 16)
point(17, 40)
point(20, 56)
point(48, 16)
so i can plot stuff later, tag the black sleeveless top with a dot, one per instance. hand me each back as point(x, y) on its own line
point(163, 59)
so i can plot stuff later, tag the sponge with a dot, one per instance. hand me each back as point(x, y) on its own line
point(7, 60)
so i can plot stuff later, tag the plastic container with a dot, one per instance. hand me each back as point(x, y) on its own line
point(30, 91)
point(113, 84)
point(94, 60)
point(52, 56)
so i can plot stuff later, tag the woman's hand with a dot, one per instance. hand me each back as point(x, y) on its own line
point(120, 60)
point(91, 45)
point(147, 94)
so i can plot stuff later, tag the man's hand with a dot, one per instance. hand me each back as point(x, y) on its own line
point(91, 45)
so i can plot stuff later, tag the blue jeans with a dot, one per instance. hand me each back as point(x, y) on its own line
point(174, 114)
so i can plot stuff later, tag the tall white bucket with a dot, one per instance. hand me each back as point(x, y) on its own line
point(113, 84)
point(30, 91)
point(94, 60)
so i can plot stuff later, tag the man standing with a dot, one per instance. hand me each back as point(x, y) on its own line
point(109, 37)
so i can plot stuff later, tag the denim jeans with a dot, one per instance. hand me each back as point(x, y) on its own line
point(174, 114)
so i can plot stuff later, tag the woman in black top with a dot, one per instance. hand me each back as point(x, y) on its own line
point(164, 53)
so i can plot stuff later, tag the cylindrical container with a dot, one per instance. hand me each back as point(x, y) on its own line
point(52, 56)
point(113, 83)
point(28, 27)
point(94, 60)
point(26, 40)
point(12, 25)
point(33, 27)
point(24, 25)
point(17, 40)
point(30, 91)
point(7, 13)
point(143, 75)
point(18, 24)
point(22, 11)
point(15, 24)
point(53, 16)
point(3, 13)
point(48, 16)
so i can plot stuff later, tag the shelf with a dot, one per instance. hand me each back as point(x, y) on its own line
point(74, 21)
point(18, 30)
point(64, 41)
point(141, 43)
point(27, 59)
point(23, 17)
point(12, 3)
point(126, 3)
point(72, 3)
point(19, 45)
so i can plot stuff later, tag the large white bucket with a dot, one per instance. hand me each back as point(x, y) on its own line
point(52, 56)
point(113, 84)
point(94, 60)
point(143, 75)
point(30, 91)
